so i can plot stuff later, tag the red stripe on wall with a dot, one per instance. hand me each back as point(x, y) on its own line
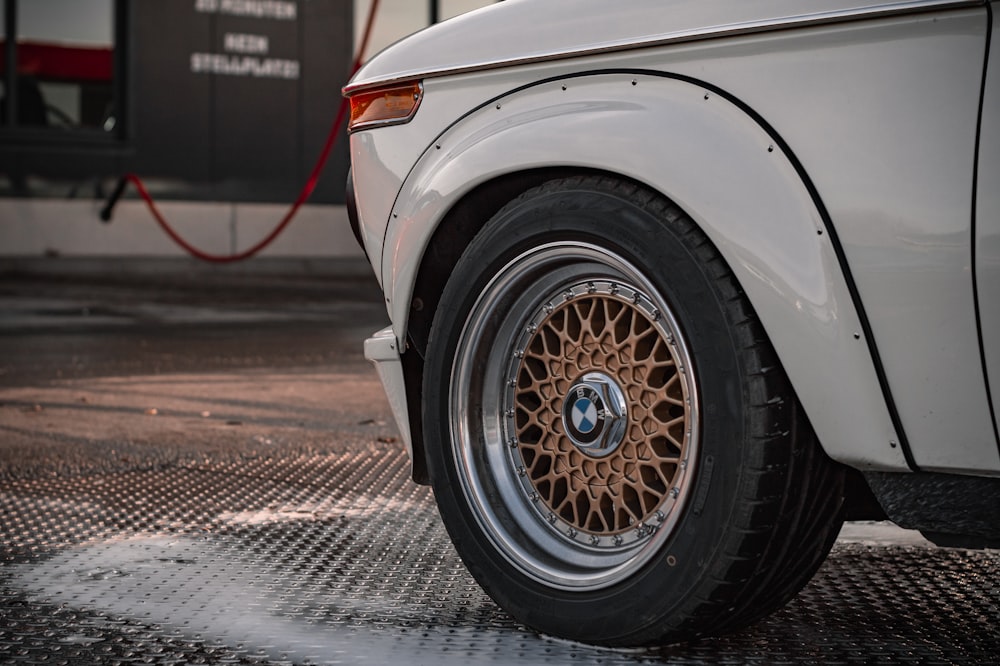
point(54, 62)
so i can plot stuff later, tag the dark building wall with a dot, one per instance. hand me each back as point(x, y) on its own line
point(221, 100)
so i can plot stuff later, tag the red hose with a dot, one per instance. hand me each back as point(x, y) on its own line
point(307, 189)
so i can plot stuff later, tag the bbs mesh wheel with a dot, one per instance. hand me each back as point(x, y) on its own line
point(612, 444)
point(589, 393)
point(598, 408)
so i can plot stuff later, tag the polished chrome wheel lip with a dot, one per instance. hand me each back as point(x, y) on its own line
point(537, 543)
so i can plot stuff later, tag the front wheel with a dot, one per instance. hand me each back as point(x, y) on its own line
point(613, 446)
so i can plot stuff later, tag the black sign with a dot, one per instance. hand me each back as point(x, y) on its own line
point(227, 100)
point(240, 94)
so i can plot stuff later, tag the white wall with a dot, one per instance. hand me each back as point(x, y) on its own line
point(71, 228)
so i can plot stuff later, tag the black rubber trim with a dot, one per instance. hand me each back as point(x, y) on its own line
point(351, 201)
point(942, 504)
point(972, 235)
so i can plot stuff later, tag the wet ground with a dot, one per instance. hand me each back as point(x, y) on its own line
point(202, 469)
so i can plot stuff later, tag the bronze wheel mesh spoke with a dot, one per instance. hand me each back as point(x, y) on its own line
point(609, 334)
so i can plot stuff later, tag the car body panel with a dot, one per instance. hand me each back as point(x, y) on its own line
point(755, 208)
point(857, 79)
point(526, 31)
point(382, 159)
point(894, 166)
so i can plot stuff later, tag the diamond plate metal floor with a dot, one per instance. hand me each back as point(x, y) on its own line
point(256, 509)
point(337, 558)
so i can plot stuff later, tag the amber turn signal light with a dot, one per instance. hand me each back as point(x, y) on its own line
point(385, 106)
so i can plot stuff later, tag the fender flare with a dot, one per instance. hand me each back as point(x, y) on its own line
point(723, 166)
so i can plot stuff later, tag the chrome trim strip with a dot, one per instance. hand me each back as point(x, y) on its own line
point(682, 36)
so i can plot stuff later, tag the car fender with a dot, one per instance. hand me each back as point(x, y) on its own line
point(726, 168)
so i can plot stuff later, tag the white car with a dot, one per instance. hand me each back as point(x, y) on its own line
point(678, 285)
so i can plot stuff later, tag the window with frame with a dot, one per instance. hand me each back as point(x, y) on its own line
point(58, 67)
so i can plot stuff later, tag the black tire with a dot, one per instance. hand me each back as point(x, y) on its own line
point(692, 500)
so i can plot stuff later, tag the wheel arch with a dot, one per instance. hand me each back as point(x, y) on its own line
point(456, 230)
point(727, 169)
point(451, 236)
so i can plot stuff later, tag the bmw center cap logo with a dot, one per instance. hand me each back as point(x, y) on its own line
point(586, 415)
point(593, 414)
